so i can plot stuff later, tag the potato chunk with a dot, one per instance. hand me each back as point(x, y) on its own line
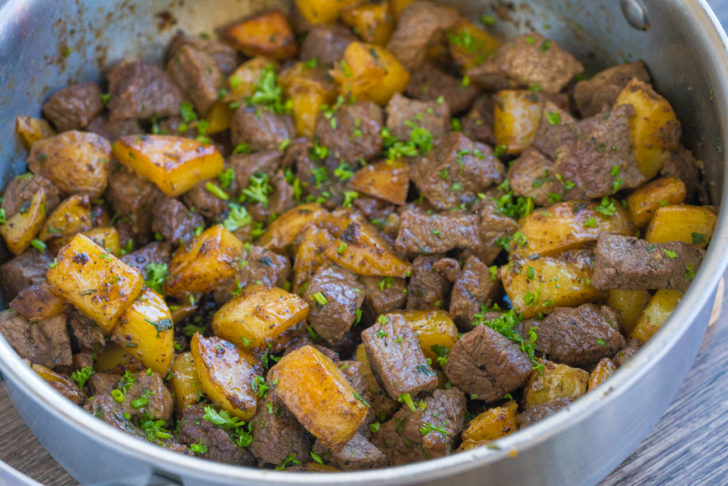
point(656, 313)
point(323, 11)
point(470, 45)
point(689, 224)
point(201, 266)
point(554, 381)
point(106, 237)
point(318, 395)
point(266, 34)
point(630, 304)
point(241, 83)
point(388, 181)
point(367, 260)
point(22, 227)
point(310, 255)
point(603, 370)
point(435, 330)
point(185, 384)
point(568, 225)
point(147, 331)
point(516, 119)
point(284, 231)
point(372, 22)
point(308, 89)
point(370, 72)
point(226, 374)
point(643, 202)
point(76, 162)
point(30, 130)
point(100, 285)
point(259, 318)
point(174, 164)
point(70, 217)
point(493, 424)
point(655, 127)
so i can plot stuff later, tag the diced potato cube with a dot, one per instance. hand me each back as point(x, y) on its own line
point(470, 45)
point(226, 374)
point(318, 394)
point(30, 130)
point(566, 226)
point(630, 304)
point(115, 359)
point(310, 255)
point(655, 127)
point(553, 283)
point(241, 83)
point(100, 285)
point(434, 329)
point(20, 229)
point(372, 22)
point(260, 318)
point(265, 34)
point(516, 119)
point(308, 89)
point(493, 424)
point(106, 237)
point(656, 313)
point(554, 381)
point(603, 370)
point(282, 233)
point(175, 164)
point(219, 117)
point(70, 217)
point(367, 260)
point(200, 267)
point(370, 72)
point(323, 11)
point(62, 383)
point(644, 201)
point(76, 162)
point(146, 330)
point(388, 181)
point(185, 384)
point(689, 224)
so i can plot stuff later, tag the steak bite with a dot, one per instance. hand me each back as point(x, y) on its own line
point(532, 175)
point(475, 287)
point(396, 358)
point(133, 197)
point(624, 262)
point(595, 95)
point(542, 411)
point(174, 221)
point(580, 336)
point(197, 74)
point(424, 233)
point(478, 123)
point(428, 288)
point(22, 271)
point(383, 295)
point(355, 455)
point(44, 342)
point(157, 252)
point(22, 188)
point(141, 90)
point(335, 296)
point(195, 429)
point(527, 60)
point(487, 365)
point(74, 107)
point(352, 132)
point(404, 115)
point(226, 57)
point(260, 129)
point(326, 43)
point(429, 83)
point(278, 435)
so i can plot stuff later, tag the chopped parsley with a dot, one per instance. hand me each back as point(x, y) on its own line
point(505, 324)
point(428, 427)
point(258, 189)
point(236, 218)
point(607, 207)
point(698, 238)
point(81, 376)
point(226, 178)
point(670, 254)
point(157, 274)
point(320, 298)
point(269, 93)
point(215, 190)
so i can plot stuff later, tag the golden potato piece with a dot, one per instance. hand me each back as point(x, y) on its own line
point(370, 72)
point(76, 162)
point(146, 330)
point(174, 164)
point(317, 393)
point(115, 359)
point(62, 383)
point(30, 130)
point(282, 233)
point(310, 255)
point(185, 384)
point(656, 313)
point(470, 45)
point(226, 374)
point(603, 370)
point(554, 381)
point(200, 267)
point(655, 127)
point(260, 318)
point(372, 22)
point(493, 424)
point(322, 11)
point(388, 181)
point(644, 201)
point(308, 89)
point(241, 83)
point(70, 217)
point(689, 224)
point(367, 260)
point(219, 117)
point(434, 329)
point(22, 227)
point(106, 237)
point(100, 285)
point(516, 119)
point(266, 34)
point(630, 304)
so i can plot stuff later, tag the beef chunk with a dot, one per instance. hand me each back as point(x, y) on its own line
point(343, 295)
point(421, 24)
point(198, 76)
point(629, 350)
point(542, 411)
point(173, 220)
point(258, 266)
point(326, 43)
point(623, 262)
point(383, 295)
point(478, 123)
point(356, 133)
point(486, 364)
point(403, 115)
point(247, 165)
point(420, 232)
point(428, 289)
point(226, 57)
point(155, 252)
point(683, 164)
point(580, 336)
point(202, 201)
point(141, 90)
point(416, 436)
point(592, 96)
point(318, 177)
point(355, 455)
point(261, 129)
point(133, 197)
point(110, 411)
point(112, 130)
point(277, 435)
point(101, 383)
point(532, 175)
point(24, 270)
point(474, 288)
point(456, 171)
point(527, 60)
point(43, 342)
point(493, 226)
point(601, 159)
point(195, 429)
point(280, 199)
point(429, 82)
point(85, 334)
point(363, 381)
point(21, 189)
point(37, 301)
point(396, 358)
point(159, 401)
point(555, 129)
point(74, 107)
